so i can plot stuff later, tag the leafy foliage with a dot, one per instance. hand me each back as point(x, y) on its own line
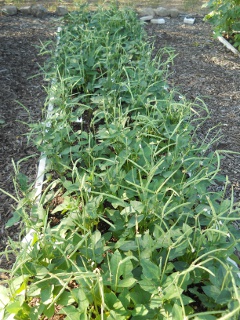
point(225, 16)
point(139, 235)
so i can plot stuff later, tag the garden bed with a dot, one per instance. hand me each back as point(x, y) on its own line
point(132, 204)
point(202, 68)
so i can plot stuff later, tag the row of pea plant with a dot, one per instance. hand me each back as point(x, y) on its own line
point(126, 226)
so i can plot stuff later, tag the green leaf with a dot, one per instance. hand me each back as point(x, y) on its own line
point(49, 311)
point(150, 270)
point(41, 271)
point(187, 229)
point(71, 312)
point(134, 220)
point(47, 294)
point(202, 186)
point(113, 302)
point(211, 291)
point(127, 283)
point(23, 181)
point(15, 218)
point(186, 300)
point(179, 250)
point(172, 292)
point(4, 300)
point(127, 266)
point(124, 297)
point(150, 286)
point(127, 211)
point(139, 296)
point(66, 298)
point(129, 246)
point(81, 298)
point(13, 307)
point(115, 316)
point(138, 206)
point(115, 202)
point(224, 297)
point(62, 206)
point(38, 212)
point(116, 258)
point(140, 312)
point(16, 283)
point(4, 296)
point(177, 312)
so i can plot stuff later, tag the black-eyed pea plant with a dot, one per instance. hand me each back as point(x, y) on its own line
point(127, 227)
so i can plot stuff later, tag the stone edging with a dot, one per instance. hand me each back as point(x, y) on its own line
point(157, 15)
point(146, 14)
point(36, 10)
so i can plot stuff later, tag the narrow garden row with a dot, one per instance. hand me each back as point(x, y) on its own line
point(126, 227)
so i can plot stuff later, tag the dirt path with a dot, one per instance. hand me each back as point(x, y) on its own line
point(19, 86)
point(202, 68)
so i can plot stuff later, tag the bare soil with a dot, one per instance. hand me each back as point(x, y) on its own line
point(202, 68)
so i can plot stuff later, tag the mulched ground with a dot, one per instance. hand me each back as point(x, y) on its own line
point(22, 97)
point(202, 68)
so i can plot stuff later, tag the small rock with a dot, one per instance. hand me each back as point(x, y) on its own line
point(146, 18)
point(25, 10)
point(146, 12)
point(158, 21)
point(162, 12)
point(61, 11)
point(9, 10)
point(174, 13)
point(38, 10)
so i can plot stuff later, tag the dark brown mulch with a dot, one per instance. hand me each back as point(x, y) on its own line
point(22, 97)
point(202, 68)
